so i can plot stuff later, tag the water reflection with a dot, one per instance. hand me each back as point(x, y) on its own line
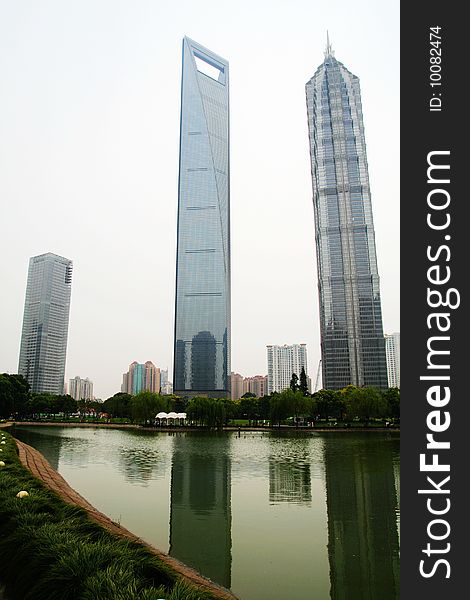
point(363, 544)
point(141, 465)
point(142, 456)
point(289, 471)
point(268, 515)
point(34, 437)
point(200, 504)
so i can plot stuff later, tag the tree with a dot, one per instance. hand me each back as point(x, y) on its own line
point(249, 407)
point(144, 406)
point(279, 408)
point(264, 407)
point(328, 403)
point(294, 382)
point(363, 402)
point(392, 398)
point(41, 403)
point(209, 412)
point(303, 383)
point(69, 405)
point(289, 404)
point(6, 396)
point(176, 403)
point(118, 405)
point(14, 395)
point(299, 405)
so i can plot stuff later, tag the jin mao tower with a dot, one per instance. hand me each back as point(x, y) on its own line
point(352, 341)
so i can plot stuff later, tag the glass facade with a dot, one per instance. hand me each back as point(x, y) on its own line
point(45, 323)
point(353, 348)
point(202, 311)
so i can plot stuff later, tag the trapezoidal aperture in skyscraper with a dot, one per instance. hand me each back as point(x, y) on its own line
point(352, 340)
point(202, 308)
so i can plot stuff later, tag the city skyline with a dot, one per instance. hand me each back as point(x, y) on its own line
point(90, 158)
point(352, 338)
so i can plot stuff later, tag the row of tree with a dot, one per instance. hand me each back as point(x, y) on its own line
point(294, 403)
point(343, 405)
point(16, 400)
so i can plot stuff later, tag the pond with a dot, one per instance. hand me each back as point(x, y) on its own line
point(269, 515)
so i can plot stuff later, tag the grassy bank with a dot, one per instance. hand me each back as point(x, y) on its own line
point(52, 550)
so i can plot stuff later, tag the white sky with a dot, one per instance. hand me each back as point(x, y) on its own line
point(89, 132)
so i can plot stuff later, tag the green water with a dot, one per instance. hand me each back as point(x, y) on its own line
point(268, 515)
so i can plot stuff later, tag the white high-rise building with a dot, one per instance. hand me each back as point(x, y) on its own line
point(392, 351)
point(283, 361)
point(81, 389)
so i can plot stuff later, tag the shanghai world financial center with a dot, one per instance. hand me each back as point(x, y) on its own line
point(202, 311)
point(352, 340)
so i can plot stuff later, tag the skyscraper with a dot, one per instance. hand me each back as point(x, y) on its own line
point(392, 352)
point(353, 348)
point(283, 361)
point(202, 307)
point(45, 323)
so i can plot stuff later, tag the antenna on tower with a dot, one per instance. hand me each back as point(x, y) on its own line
point(329, 48)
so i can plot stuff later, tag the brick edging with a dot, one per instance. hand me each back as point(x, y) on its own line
point(40, 468)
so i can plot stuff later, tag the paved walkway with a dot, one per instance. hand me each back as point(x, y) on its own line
point(40, 468)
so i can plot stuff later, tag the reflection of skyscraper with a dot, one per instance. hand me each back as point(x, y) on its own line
point(353, 348)
point(362, 522)
point(289, 474)
point(200, 505)
point(289, 482)
point(203, 252)
point(46, 322)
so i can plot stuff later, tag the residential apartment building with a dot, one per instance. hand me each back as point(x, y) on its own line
point(283, 361)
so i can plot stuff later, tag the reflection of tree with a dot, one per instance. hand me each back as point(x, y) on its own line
point(200, 518)
point(289, 471)
point(203, 361)
point(362, 529)
point(141, 465)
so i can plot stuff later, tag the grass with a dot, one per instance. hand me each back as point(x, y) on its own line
point(50, 550)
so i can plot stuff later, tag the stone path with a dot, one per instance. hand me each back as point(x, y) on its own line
point(40, 468)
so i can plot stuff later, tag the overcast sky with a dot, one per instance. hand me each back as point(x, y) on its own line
point(89, 131)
